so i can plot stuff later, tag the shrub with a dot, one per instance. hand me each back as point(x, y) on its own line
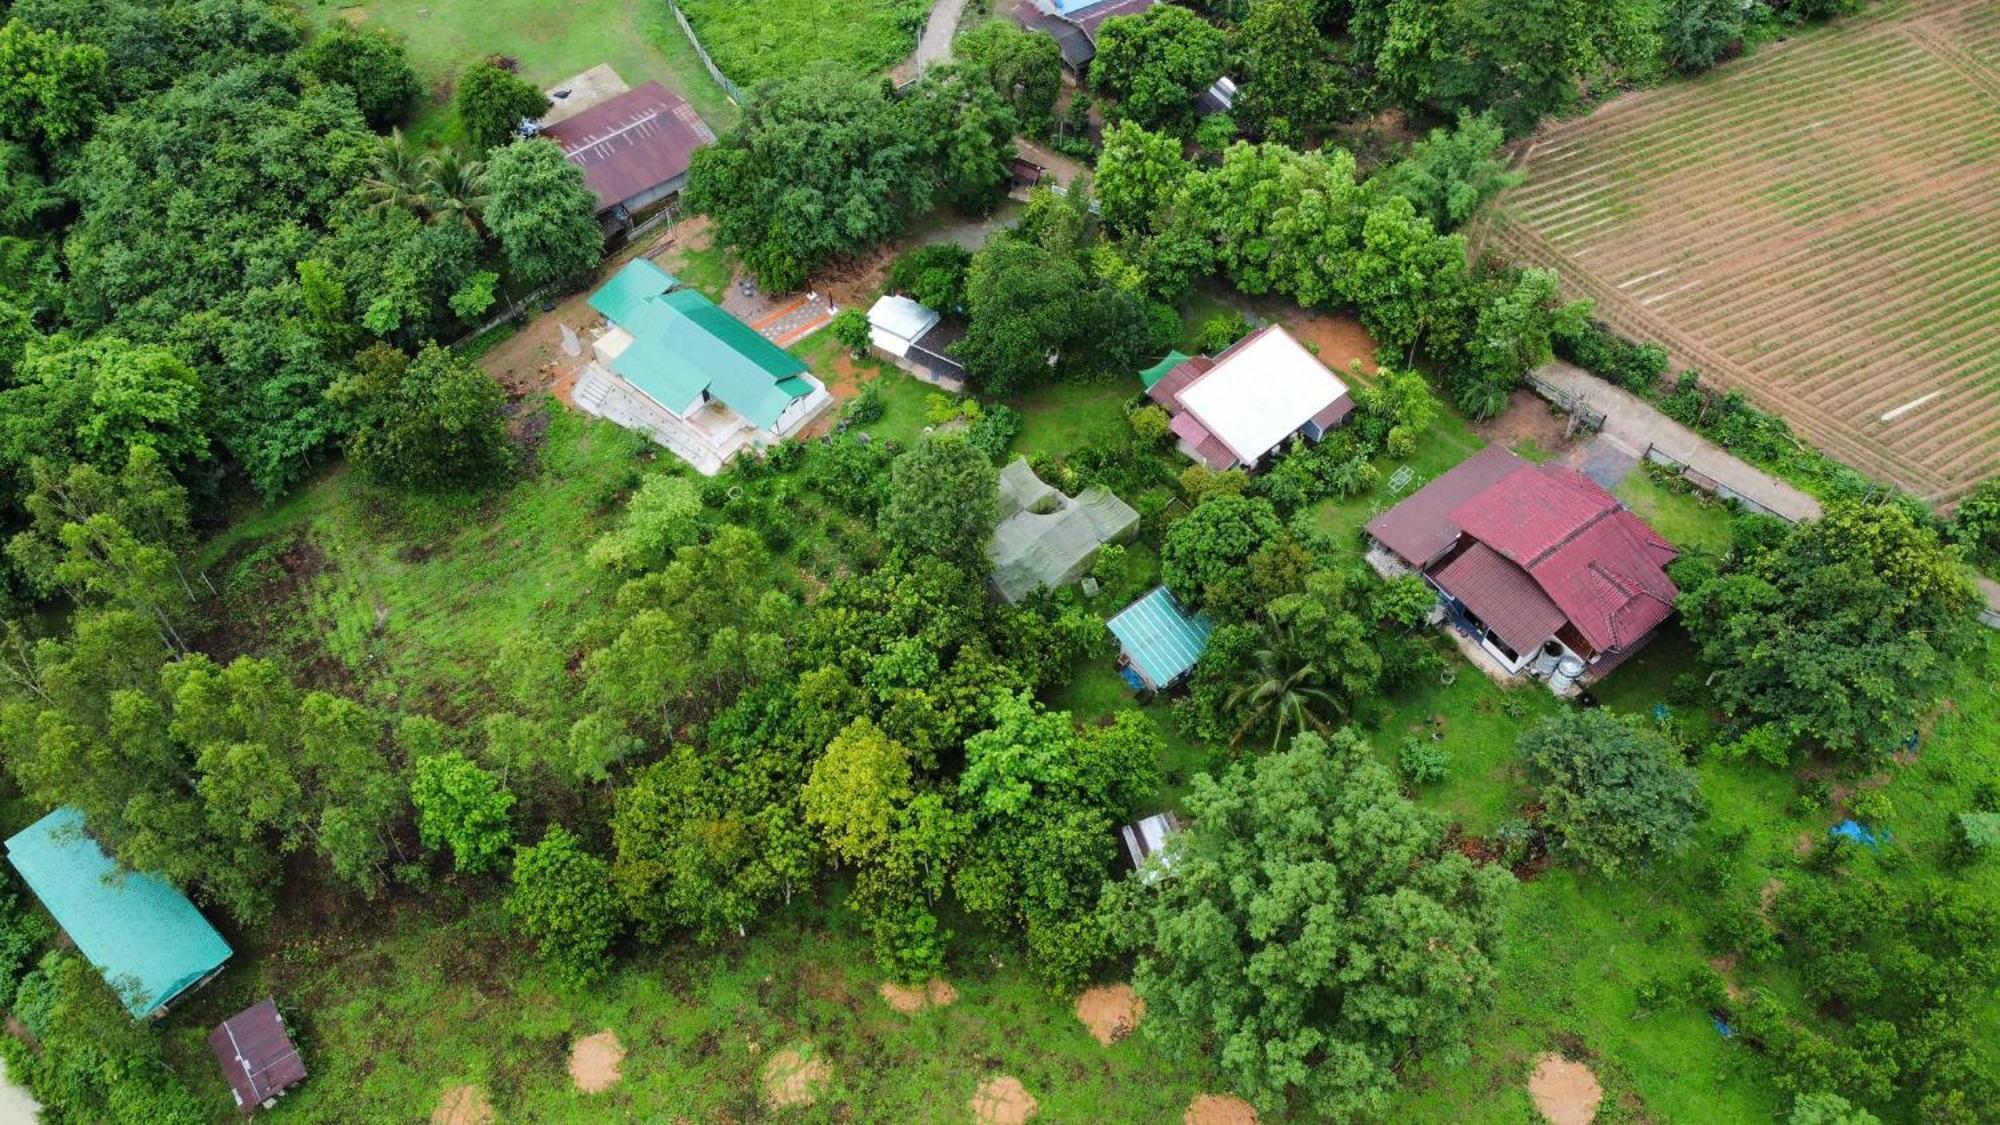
point(867, 407)
point(1219, 331)
point(563, 899)
point(1974, 836)
point(993, 429)
point(850, 327)
point(1423, 761)
point(1613, 792)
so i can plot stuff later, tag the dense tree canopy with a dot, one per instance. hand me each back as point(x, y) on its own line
point(1314, 930)
point(1841, 632)
point(1155, 62)
point(1613, 792)
point(563, 899)
point(541, 213)
point(943, 501)
point(432, 421)
point(493, 102)
point(368, 61)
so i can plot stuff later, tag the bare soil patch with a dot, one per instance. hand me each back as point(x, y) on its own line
point(594, 1063)
point(910, 999)
point(1565, 1092)
point(795, 1076)
point(1768, 894)
point(1339, 341)
point(353, 16)
point(1526, 418)
point(1219, 1109)
point(463, 1105)
point(1110, 1012)
point(1003, 1101)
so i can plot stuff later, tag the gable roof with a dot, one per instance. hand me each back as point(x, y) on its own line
point(1420, 528)
point(1162, 641)
point(1045, 538)
point(1502, 595)
point(684, 344)
point(257, 1055)
point(631, 143)
point(1256, 393)
point(145, 937)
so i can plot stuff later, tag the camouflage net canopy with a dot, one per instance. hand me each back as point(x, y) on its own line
point(1046, 538)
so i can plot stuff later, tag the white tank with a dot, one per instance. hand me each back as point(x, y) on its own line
point(1545, 660)
point(1567, 670)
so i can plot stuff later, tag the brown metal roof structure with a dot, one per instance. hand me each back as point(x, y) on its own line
point(631, 143)
point(1420, 529)
point(257, 1055)
point(1502, 595)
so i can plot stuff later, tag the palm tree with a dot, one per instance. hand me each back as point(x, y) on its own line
point(1284, 685)
point(399, 178)
point(455, 188)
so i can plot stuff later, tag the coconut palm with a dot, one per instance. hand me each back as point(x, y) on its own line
point(455, 188)
point(399, 178)
point(1284, 685)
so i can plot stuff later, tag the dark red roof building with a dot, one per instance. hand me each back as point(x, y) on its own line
point(257, 1056)
point(1537, 562)
point(633, 148)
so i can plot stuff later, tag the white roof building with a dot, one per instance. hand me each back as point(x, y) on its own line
point(1260, 392)
point(894, 323)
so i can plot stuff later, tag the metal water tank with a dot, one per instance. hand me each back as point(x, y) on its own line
point(1567, 670)
point(1545, 660)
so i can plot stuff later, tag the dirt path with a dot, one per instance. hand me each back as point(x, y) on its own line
point(910, 999)
point(463, 1105)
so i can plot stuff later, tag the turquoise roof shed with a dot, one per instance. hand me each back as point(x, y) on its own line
point(147, 939)
point(684, 344)
point(1161, 640)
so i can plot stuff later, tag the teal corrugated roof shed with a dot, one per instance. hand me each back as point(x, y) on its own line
point(1160, 639)
point(684, 344)
point(147, 939)
point(1159, 370)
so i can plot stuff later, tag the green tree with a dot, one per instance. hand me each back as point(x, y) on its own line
point(1315, 659)
point(1021, 302)
point(1138, 175)
point(1023, 67)
point(51, 89)
point(850, 328)
point(663, 516)
point(1842, 633)
point(1697, 34)
point(857, 789)
point(943, 501)
point(1976, 523)
point(1315, 931)
point(430, 422)
point(541, 213)
point(1155, 63)
point(1450, 173)
point(1613, 793)
point(1288, 88)
point(563, 899)
point(1512, 334)
point(492, 103)
point(368, 61)
point(1205, 557)
point(97, 399)
point(1828, 1109)
point(933, 274)
point(463, 807)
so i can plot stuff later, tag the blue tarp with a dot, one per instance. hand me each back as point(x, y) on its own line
point(1722, 1027)
point(1855, 831)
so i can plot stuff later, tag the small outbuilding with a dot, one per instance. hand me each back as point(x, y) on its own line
point(1045, 538)
point(1159, 642)
point(257, 1056)
point(145, 937)
point(1146, 838)
point(917, 338)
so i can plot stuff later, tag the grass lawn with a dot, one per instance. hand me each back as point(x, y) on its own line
point(550, 43)
point(780, 38)
point(1449, 441)
point(1688, 521)
point(405, 602)
point(1063, 417)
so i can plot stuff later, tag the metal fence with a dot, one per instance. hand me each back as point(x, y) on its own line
point(1581, 416)
point(1708, 484)
point(729, 89)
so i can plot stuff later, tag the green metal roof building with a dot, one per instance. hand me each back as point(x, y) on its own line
point(1161, 641)
point(147, 939)
point(684, 346)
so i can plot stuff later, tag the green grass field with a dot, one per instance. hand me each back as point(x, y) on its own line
point(779, 38)
point(549, 42)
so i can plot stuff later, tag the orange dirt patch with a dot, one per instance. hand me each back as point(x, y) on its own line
point(911, 999)
point(1219, 1109)
point(1003, 1101)
point(795, 1076)
point(1565, 1092)
point(1111, 1012)
point(1526, 418)
point(1339, 341)
point(353, 16)
point(463, 1105)
point(594, 1062)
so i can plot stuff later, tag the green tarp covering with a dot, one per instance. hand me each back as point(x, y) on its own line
point(147, 939)
point(1159, 370)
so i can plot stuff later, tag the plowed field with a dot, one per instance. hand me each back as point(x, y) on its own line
point(1818, 226)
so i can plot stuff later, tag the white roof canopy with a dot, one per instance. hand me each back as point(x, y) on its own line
point(901, 317)
point(1259, 395)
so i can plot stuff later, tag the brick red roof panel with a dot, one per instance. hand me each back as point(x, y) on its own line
point(1420, 528)
point(257, 1055)
point(631, 143)
point(1502, 595)
point(1529, 513)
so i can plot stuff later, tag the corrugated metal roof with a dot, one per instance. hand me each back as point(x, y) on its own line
point(1420, 528)
point(1502, 595)
point(683, 343)
point(1530, 512)
point(632, 143)
point(257, 1054)
point(1162, 641)
point(147, 939)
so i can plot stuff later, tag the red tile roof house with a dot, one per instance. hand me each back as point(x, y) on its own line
point(1250, 399)
point(1546, 570)
point(257, 1056)
point(633, 147)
